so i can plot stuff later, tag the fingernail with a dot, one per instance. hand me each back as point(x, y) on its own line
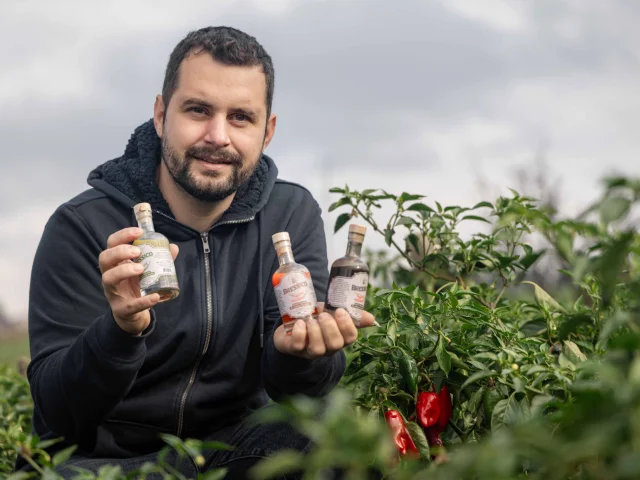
point(341, 313)
point(135, 251)
point(137, 231)
point(376, 323)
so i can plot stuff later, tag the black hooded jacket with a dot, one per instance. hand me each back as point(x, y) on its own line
point(207, 359)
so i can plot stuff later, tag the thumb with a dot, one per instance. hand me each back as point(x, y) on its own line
point(174, 250)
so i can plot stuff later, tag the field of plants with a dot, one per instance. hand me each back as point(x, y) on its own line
point(482, 367)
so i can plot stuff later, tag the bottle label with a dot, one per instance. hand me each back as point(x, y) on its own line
point(349, 293)
point(296, 295)
point(157, 262)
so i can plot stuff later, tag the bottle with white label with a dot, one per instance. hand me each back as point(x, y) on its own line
point(349, 278)
point(159, 274)
point(293, 286)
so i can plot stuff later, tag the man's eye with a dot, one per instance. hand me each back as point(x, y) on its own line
point(198, 110)
point(241, 117)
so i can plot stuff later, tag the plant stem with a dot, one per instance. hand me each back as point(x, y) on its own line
point(443, 287)
point(173, 471)
point(534, 390)
point(483, 303)
point(459, 431)
point(33, 464)
point(504, 288)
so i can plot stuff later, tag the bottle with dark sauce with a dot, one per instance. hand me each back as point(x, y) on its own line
point(349, 278)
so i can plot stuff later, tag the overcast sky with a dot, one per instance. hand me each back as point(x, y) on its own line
point(420, 96)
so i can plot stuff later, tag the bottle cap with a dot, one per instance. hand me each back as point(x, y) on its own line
point(280, 237)
point(359, 229)
point(142, 209)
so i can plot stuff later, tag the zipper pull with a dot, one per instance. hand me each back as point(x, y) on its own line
point(205, 242)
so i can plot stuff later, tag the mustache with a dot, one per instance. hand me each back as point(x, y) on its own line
point(211, 155)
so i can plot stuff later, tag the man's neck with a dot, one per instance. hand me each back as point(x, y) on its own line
point(200, 216)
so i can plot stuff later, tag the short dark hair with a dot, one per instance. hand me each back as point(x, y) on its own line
point(226, 45)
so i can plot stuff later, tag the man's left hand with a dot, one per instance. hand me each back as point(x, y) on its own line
point(320, 337)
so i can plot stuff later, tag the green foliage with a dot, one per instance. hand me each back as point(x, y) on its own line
point(542, 387)
point(15, 416)
point(16, 439)
point(346, 439)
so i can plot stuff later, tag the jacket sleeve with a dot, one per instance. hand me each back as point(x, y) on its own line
point(283, 374)
point(82, 363)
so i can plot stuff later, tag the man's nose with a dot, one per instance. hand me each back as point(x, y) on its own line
point(217, 132)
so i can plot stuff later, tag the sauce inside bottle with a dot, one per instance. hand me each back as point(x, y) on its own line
point(349, 278)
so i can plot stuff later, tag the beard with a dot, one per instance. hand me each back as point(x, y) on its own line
point(209, 188)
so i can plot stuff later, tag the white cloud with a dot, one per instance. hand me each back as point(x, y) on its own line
point(52, 76)
point(21, 231)
point(507, 15)
point(406, 96)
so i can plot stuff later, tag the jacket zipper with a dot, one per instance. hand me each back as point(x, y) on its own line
point(207, 341)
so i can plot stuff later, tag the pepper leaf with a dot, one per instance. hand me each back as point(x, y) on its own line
point(572, 350)
point(62, 456)
point(405, 221)
point(543, 298)
point(281, 463)
point(341, 221)
point(444, 359)
point(482, 204)
point(340, 203)
point(613, 208)
point(407, 196)
point(419, 438)
point(478, 376)
point(506, 412)
point(388, 235)
point(409, 372)
point(475, 217)
point(420, 207)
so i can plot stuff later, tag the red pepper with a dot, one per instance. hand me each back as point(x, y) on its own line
point(445, 409)
point(438, 454)
point(433, 437)
point(401, 437)
point(428, 408)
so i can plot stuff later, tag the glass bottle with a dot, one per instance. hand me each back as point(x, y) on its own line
point(293, 285)
point(349, 278)
point(159, 274)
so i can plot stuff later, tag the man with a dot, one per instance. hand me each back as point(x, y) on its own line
point(111, 370)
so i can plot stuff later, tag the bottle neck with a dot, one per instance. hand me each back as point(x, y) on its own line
point(354, 248)
point(285, 256)
point(146, 224)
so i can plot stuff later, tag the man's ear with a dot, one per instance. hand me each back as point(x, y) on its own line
point(158, 115)
point(271, 129)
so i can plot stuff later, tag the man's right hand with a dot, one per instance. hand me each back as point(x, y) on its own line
point(120, 280)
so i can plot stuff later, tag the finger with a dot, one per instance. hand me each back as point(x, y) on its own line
point(367, 319)
point(320, 307)
point(126, 235)
point(315, 346)
point(116, 255)
point(346, 326)
point(298, 339)
point(128, 308)
point(174, 250)
point(112, 277)
point(330, 332)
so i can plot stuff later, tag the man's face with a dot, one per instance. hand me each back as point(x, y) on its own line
point(215, 127)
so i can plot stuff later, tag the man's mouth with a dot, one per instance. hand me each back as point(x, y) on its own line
point(214, 161)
